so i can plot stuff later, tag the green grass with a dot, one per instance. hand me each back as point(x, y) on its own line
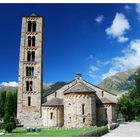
point(59, 132)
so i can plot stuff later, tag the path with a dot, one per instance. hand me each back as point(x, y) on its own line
point(126, 129)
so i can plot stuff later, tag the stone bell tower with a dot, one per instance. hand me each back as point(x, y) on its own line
point(30, 71)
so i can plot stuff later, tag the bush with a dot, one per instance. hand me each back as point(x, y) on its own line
point(113, 126)
point(96, 133)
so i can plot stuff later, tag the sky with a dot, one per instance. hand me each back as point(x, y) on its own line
point(96, 40)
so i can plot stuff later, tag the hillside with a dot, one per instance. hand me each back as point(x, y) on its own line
point(47, 88)
point(119, 83)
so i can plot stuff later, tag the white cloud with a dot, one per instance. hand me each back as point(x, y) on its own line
point(99, 19)
point(122, 39)
point(138, 10)
point(129, 59)
point(92, 70)
point(118, 28)
point(9, 84)
point(127, 7)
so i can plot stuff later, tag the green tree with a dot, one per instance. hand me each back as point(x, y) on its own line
point(9, 116)
point(124, 106)
point(129, 105)
point(2, 102)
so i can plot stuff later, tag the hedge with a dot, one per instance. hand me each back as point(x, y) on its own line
point(96, 133)
point(113, 126)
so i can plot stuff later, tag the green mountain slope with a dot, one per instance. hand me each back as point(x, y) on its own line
point(119, 83)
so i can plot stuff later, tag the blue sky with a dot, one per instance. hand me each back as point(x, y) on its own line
point(97, 40)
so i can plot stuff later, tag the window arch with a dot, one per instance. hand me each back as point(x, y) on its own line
point(29, 40)
point(31, 27)
point(30, 56)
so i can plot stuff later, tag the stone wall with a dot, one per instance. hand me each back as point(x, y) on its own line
point(106, 113)
point(53, 116)
point(73, 115)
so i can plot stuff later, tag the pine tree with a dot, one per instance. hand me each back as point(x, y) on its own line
point(9, 116)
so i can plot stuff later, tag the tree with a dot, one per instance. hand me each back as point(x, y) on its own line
point(9, 116)
point(129, 105)
point(2, 102)
point(124, 106)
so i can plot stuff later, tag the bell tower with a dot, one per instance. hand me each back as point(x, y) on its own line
point(30, 71)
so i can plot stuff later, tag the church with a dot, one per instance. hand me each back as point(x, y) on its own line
point(77, 104)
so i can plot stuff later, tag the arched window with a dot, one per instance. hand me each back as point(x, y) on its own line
point(29, 26)
point(27, 85)
point(29, 41)
point(31, 86)
point(29, 101)
point(84, 120)
point(33, 41)
point(34, 26)
point(32, 71)
point(28, 56)
point(51, 116)
point(33, 56)
point(26, 71)
point(83, 109)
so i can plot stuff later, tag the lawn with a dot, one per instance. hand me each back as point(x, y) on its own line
point(46, 132)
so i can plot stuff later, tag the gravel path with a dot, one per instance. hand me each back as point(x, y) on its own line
point(126, 129)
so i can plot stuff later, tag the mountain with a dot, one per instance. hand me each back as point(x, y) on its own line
point(121, 82)
point(47, 88)
point(53, 87)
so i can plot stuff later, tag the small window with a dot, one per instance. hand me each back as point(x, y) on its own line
point(29, 101)
point(102, 93)
point(31, 86)
point(29, 26)
point(33, 56)
point(26, 71)
point(34, 26)
point(28, 56)
point(29, 41)
point(51, 116)
point(33, 41)
point(84, 120)
point(83, 109)
point(27, 85)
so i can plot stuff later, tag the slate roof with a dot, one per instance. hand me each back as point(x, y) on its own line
point(53, 102)
point(104, 101)
point(78, 88)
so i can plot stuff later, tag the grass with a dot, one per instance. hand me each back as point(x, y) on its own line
point(46, 132)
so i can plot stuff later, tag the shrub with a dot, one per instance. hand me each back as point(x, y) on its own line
point(113, 126)
point(96, 133)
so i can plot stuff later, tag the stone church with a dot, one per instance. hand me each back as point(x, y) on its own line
point(76, 104)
